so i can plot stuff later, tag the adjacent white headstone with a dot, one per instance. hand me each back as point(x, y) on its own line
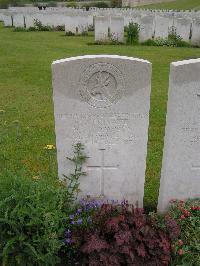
point(7, 19)
point(103, 102)
point(180, 177)
point(161, 27)
point(18, 20)
point(117, 29)
point(183, 26)
point(146, 28)
point(196, 32)
point(71, 24)
point(101, 28)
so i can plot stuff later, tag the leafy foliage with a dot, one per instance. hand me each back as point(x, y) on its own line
point(173, 40)
point(132, 33)
point(121, 235)
point(99, 4)
point(40, 27)
point(72, 180)
point(4, 4)
point(116, 3)
point(32, 213)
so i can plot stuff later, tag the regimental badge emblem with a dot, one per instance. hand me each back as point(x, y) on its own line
point(102, 85)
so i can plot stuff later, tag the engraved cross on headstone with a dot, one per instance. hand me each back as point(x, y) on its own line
point(102, 167)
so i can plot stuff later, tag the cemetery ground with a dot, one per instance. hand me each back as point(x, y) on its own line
point(27, 128)
point(176, 5)
point(26, 97)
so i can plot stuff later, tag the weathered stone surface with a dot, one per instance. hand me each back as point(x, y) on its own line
point(196, 32)
point(103, 102)
point(101, 28)
point(183, 26)
point(117, 29)
point(146, 28)
point(71, 25)
point(180, 177)
point(18, 20)
point(161, 27)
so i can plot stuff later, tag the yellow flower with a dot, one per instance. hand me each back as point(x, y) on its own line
point(35, 177)
point(49, 147)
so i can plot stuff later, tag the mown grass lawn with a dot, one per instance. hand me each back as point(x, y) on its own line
point(177, 5)
point(26, 97)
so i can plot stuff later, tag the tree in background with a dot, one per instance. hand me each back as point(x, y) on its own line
point(116, 3)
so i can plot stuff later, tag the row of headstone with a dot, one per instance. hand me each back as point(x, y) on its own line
point(111, 11)
point(107, 28)
point(151, 26)
point(103, 102)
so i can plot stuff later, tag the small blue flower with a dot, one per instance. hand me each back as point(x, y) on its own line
point(79, 211)
point(79, 221)
point(72, 222)
point(71, 216)
point(67, 233)
point(67, 241)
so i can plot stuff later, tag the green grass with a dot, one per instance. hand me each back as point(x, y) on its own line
point(26, 96)
point(177, 5)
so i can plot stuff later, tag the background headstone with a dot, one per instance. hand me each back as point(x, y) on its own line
point(180, 177)
point(161, 27)
point(117, 29)
point(103, 102)
point(183, 26)
point(101, 28)
point(71, 24)
point(196, 32)
point(146, 28)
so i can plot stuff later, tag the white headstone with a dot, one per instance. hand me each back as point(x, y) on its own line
point(18, 20)
point(101, 28)
point(146, 28)
point(183, 26)
point(196, 32)
point(180, 177)
point(161, 27)
point(71, 24)
point(83, 23)
point(103, 102)
point(29, 19)
point(117, 29)
point(7, 19)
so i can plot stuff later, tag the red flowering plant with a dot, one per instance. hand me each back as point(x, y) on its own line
point(186, 247)
point(120, 235)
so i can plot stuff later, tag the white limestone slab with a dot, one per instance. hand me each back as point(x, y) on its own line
point(180, 177)
point(196, 32)
point(146, 28)
point(101, 28)
point(18, 20)
point(103, 102)
point(183, 26)
point(161, 27)
point(71, 24)
point(117, 29)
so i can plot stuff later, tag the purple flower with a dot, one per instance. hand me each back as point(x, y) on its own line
point(71, 216)
point(79, 221)
point(67, 233)
point(79, 211)
point(72, 222)
point(67, 241)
